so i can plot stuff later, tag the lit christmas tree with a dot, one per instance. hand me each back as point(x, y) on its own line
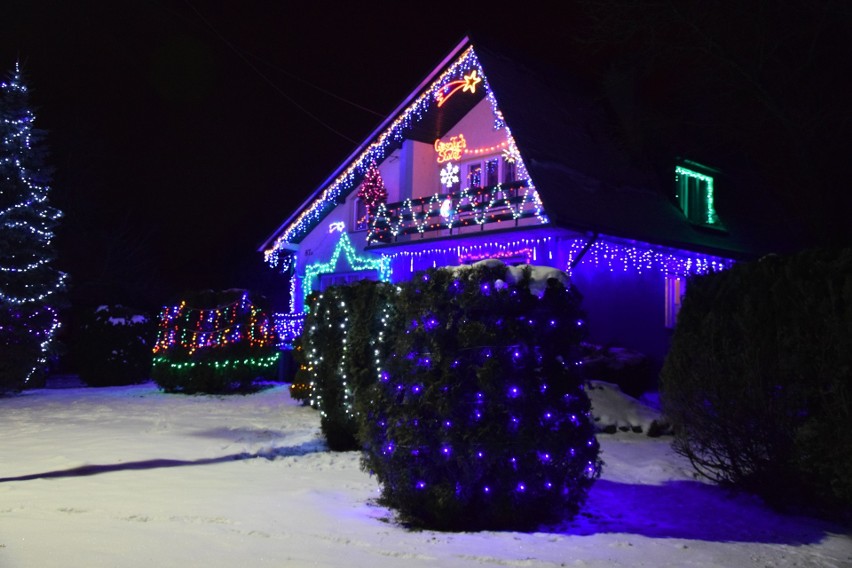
point(29, 283)
point(373, 191)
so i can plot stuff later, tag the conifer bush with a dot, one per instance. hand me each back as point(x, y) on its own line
point(337, 353)
point(758, 381)
point(477, 419)
point(215, 342)
point(114, 346)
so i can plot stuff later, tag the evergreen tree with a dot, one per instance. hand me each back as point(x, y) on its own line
point(29, 283)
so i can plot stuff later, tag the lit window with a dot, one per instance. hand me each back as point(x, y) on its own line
point(474, 174)
point(508, 171)
point(695, 195)
point(487, 172)
point(675, 290)
point(492, 174)
point(360, 222)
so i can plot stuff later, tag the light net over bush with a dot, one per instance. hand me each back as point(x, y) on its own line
point(478, 418)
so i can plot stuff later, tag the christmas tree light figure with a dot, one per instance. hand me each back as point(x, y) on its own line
point(372, 192)
point(29, 283)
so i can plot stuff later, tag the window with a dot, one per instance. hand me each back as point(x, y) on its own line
point(694, 190)
point(360, 222)
point(474, 174)
point(675, 289)
point(487, 172)
point(341, 279)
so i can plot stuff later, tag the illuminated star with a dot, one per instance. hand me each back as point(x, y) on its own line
point(471, 81)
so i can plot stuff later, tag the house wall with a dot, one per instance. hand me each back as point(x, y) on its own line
point(625, 309)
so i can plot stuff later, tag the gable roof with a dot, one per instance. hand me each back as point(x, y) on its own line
point(569, 145)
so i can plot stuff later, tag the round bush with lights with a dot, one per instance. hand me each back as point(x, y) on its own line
point(479, 421)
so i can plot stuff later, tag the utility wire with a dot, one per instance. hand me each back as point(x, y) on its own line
point(265, 78)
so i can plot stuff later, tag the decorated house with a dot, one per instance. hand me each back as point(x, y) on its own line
point(488, 159)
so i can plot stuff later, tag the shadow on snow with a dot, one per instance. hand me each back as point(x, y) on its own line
point(97, 469)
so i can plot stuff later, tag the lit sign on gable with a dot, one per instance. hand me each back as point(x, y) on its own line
point(469, 83)
point(451, 150)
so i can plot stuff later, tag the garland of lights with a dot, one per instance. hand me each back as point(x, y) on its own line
point(711, 217)
point(470, 206)
point(642, 258)
point(377, 151)
point(602, 254)
point(191, 329)
point(27, 220)
point(344, 246)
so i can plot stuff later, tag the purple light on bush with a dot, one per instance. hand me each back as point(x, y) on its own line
point(430, 323)
point(485, 288)
point(480, 454)
point(548, 485)
point(445, 450)
point(486, 489)
point(521, 487)
point(514, 392)
point(553, 323)
point(421, 485)
point(416, 389)
point(477, 414)
point(548, 415)
point(447, 423)
point(544, 456)
point(384, 376)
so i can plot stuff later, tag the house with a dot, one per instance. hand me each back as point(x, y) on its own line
point(487, 159)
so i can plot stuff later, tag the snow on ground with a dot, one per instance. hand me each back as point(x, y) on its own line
point(132, 477)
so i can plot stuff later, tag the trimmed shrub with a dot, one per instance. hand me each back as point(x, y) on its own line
point(337, 355)
point(758, 381)
point(113, 347)
point(478, 419)
point(215, 342)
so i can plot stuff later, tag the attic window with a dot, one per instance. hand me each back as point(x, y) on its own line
point(694, 192)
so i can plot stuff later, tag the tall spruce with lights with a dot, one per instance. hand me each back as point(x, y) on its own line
point(29, 283)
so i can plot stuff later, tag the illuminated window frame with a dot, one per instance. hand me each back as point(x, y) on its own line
point(694, 191)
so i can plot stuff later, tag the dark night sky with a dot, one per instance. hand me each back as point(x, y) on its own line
point(183, 132)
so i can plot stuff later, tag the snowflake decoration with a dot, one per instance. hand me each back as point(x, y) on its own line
point(511, 154)
point(450, 175)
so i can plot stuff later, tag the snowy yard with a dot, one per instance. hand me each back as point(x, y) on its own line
point(131, 477)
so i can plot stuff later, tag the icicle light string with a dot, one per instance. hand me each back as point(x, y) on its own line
point(376, 152)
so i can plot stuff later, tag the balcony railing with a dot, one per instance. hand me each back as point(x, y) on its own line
point(477, 206)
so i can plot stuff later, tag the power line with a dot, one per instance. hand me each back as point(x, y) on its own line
point(266, 79)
